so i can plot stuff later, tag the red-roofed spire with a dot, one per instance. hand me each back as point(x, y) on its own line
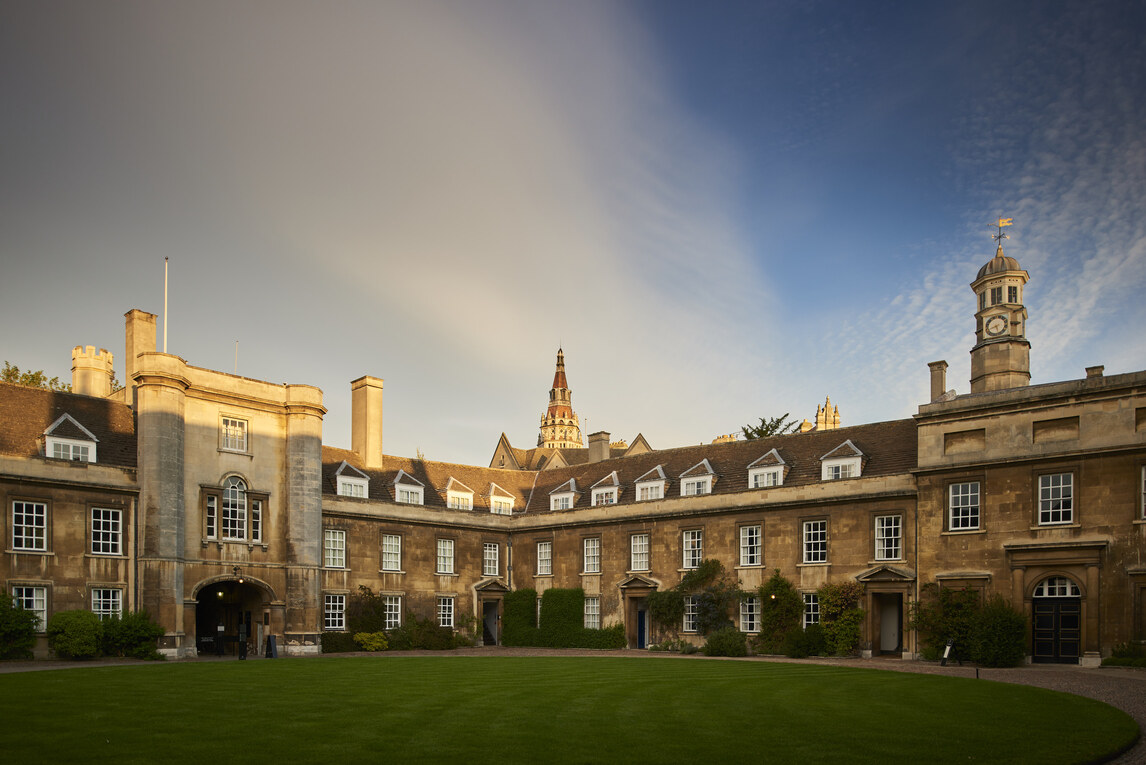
point(559, 380)
point(560, 428)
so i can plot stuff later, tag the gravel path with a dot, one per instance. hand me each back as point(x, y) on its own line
point(1121, 687)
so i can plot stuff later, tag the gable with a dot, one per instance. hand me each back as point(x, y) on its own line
point(67, 426)
point(843, 451)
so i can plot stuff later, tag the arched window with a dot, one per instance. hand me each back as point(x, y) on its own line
point(1057, 587)
point(234, 508)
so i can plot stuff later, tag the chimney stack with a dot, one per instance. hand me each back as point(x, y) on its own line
point(140, 338)
point(366, 420)
point(599, 446)
point(938, 379)
point(91, 371)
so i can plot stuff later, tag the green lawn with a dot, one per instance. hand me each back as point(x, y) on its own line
point(514, 709)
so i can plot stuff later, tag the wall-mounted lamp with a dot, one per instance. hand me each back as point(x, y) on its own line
point(238, 571)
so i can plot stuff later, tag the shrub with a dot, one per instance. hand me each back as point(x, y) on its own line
point(1129, 651)
point(365, 611)
point(17, 629)
point(840, 617)
point(75, 634)
point(941, 615)
point(1000, 635)
point(133, 635)
point(338, 642)
point(802, 643)
point(726, 642)
point(780, 610)
point(605, 638)
point(428, 635)
point(371, 641)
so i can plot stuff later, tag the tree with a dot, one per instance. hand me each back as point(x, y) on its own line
point(770, 426)
point(37, 379)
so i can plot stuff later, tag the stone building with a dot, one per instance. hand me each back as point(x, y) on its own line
point(209, 500)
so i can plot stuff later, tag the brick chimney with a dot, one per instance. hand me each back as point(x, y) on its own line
point(91, 371)
point(366, 420)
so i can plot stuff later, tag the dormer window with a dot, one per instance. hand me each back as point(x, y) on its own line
point(76, 451)
point(408, 490)
point(351, 482)
point(564, 496)
point(763, 478)
point(845, 461)
point(697, 480)
point(651, 485)
point(607, 490)
point(695, 486)
point(766, 472)
point(66, 439)
point(500, 500)
point(458, 495)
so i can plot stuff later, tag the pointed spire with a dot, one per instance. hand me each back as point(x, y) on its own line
point(560, 427)
point(559, 380)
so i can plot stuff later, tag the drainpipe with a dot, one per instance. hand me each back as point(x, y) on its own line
point(135, 552)
point(915, 586)
point(509, 559)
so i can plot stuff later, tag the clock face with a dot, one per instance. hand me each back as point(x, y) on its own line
point(996, 325)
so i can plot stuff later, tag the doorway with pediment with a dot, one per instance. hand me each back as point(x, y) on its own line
point(635, 591)
point(887, 590)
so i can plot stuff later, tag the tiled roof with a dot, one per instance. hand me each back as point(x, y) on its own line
point(435, 476)
point(25, 413)
point(890, 448)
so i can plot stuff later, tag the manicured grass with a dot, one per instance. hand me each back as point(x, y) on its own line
point(552, 709)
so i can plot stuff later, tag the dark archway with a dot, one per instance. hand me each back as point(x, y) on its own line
point(222, 606)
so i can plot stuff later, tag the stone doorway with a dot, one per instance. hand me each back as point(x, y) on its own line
point(1056, 622)
point(635, 591)
point(489, 619)
point(222, 607)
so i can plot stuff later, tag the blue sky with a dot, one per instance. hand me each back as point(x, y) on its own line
point(720, 210)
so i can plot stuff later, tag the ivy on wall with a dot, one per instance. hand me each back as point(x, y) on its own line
point(561, 624)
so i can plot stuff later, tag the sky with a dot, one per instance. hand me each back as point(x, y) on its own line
point(721, 211)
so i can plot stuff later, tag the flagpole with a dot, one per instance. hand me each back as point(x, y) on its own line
point(165, 305)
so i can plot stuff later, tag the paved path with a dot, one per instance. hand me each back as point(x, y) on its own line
point(1121, 687)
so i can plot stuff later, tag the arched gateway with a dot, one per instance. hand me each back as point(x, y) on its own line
point(224, 603)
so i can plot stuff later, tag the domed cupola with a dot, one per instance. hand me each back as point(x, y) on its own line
point(1001, 356)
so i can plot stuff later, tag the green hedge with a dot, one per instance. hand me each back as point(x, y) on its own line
point(339, 642)
point(562, 621)
point(519, 618)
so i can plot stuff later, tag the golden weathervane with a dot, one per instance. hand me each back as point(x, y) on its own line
point(1000, 224)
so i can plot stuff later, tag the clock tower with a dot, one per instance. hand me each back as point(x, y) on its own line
point(1001, 356)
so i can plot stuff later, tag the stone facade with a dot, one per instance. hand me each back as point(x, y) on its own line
point(209, 500)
